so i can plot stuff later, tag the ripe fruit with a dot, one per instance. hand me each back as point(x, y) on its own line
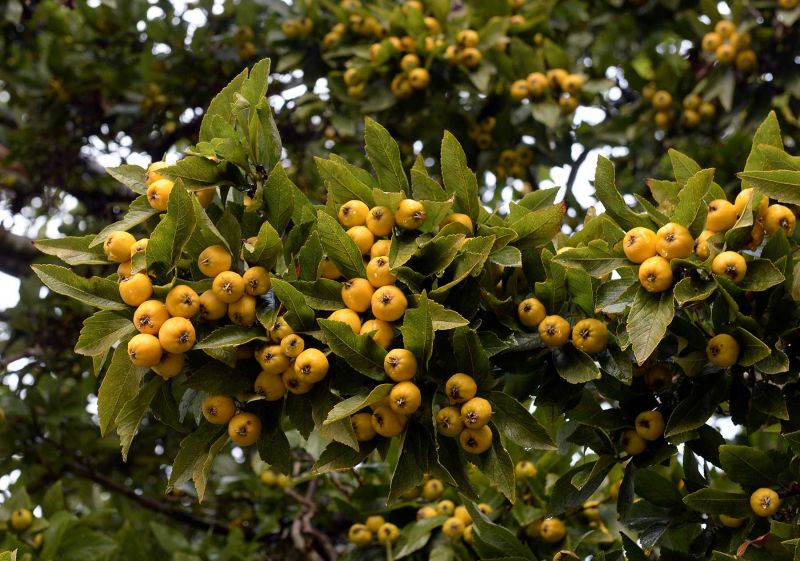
point(746, 61)
point(453, 527)
point(524, 469)
point(554, 331)
point(311, 365)
point(294, 383)
point(410, 214)
point(388, 533)
point(556, 77)
point(205, 196)
point(701, 248)
point(711, 41)
point(573, 84)
point(449, 421)
point(144, 350)
point(279, 330)
point(213, 260)
point(764, 502)
point(244, 429)
point(256, 281)
point(243, 311)
point(650, 425)
point(632, 443)
point(721, 215)
point(362, 237)
point(348, 316)
point(537, 84)
point(471, 57)
point(476, 441)
point(218, 409)
point(380, 220)
point(662, 100)
point(292, 345)
point(176, 335)
point(531, 312)
point(673, 241)
point(150, 316)
point(380, 248)
point(462, 513)
point(723, 350)
point(552, 530)
point(158, 194)
point(135, 289)
point(655, 274)
point(730, 265)
point(117, 246)
point(357, 294)
point(152, 174)
point(21, 519)
point(362, 426)
point(379, 273)
point(211, 307)
point(591, 510)
point(170, 365)
point(386, 422)
point(409, 62)
point(432, 490)
point(182, 301)
point(382, 331)
point(359, 535)
point(139, 246)
point(731, 521)
point(389, 303)
point(270, 386)
point(725, 53)
point(460, 388)
point(590, 335)
point(400, 365)
point(518, 90)
point(419, 78)
point(468, 38)
point(639, 244)
point(467, 535)
point(405, 398)
point(124, 270)
point(476, 413)
point(459, 217)
point(724, 28)
point(744, 197)
point(328, 269)
point(353, 213)
point(228, 286)
point(779, 217)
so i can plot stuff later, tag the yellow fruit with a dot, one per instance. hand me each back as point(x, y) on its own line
point(357, 294)
point(756, 237)
point(244, 429)
point(446, 507)
point(468, 38)
point(707, 110)
point(362, 237)
point(537, 84)
point(552, 530)
point(673, 241)
point(117, 246)
point(279, 330)
point(268, 477)
point(534, 529)
point(400, 365)
point(311, 365)
point(135, 289)
point(655, 274)
point(744, 197)
point(426, 512)
point(294, 383)
point(518, 90)
point(176, 335)
point(213, 260)
point(639, 244)
point(270, 386)
point(746, 61)
point(432, 489)
point(158, 194)
point(228, 286)
point(462, 513)
point(380, 249)
point(419, 78)
point(182, 301)
point(409, 62)
point(650, 425)
point(453, 527)
point(724, 28)
point(573, 84)
point(556, 77)
point(554, 331)
point(449, 421)
point(788, 4)
point(476, 441)
point(405, 398)
point(218, 409)
point(362, 426)
point(388, 533)
point(379, 273)
point(725, 53)
point(779, 217)
point(152, 172)
point(723, 350)
point(721, 215)
point(410, 214)
point(701, 248)
point(663, 119)
point(292, 345)
point(359, 535)
point(531, 312)
point(243, 311)
point(691, 118)
point(730, 521)
point(662, 100)
point(380, 221)
point(348, 316)
point(711, 42)
point(388, 303)
point(139, 246)
point(460, 388)
point(328, 269)
point(256, 281)
point(459, 217)
point(590, 335)
point(150, 316)
point(205, 196)
point(485, 508)
point(730, 265)
point(386, 422)
point(383, 331)
point(124, 270)
point(211, 307)
point(525, 469)
point(632, 443)
point(21, 519)
point(170, 365)
point(764, 502)
point(144, 350)
point(476, 413)
point(353, 213)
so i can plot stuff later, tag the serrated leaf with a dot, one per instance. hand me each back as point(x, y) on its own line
point(596, 259)
point(691, 208)
point(73, 250)
point(458, 178)
point(95, 291)
point(342, 184)
point(170, 236)
point(131, 414)
point(607, 192)
point(338, 457)
point(138, 211)
point(695, 409)
point(418, 332)
point(361, 352)
point(714, 501)
point(761, 275)
point(221, 105)
point(131, 176)
point(517, 425)
point(492, 540)
point(574, 365)
point(321, 294)
point(650, 315)
point(384, 155)
point(230, 336)
point(120, 384)
point(751, 348)
point(339, 247)
point(301, 316)
point(194, 451)
point(749, 466)
point(352, 405)
point(101, 330)
point(267, 249)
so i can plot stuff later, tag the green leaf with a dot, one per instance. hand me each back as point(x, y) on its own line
point(657, 489)
point(195, 451)
point(101, 330)
point(694, 410)
point(534, 228)
point(215, 378)
point(221, 105)
point(73, 250)
point(498, 467)
point(95, 291)
point(714, 501)
point(751, 348)
point(321, 294)
point(574, 365)
point(437, 254)
point(170, 236)
point(361, 352)
point(277, 198)
point(418, 332)
point(352, 405)
point(576, 486)
point(596, 259)
point(468, 354)
point(132, 177)
point(384, 155)
point(444, 319)
point(683, 167)
point(230, 336)
point(120, 385)
point(761, 275)
point(267, 249)
point(415, 536)
point(517, 425)
point(768, 134)
point(301, 316)
point(492, 540)
point(769, 399)
point(195, 171)
point(608, 194)
point(81, 543)
point(339, 247)
point(689, 289)
point(749, 466)
point(342, 184)
point(340, 431)
point(691, 209)
point(458, 178)
point(131, 414)
point(650, 315)
point(338, 457)
point(781, 185)
point(412, 462)
point(255, 87)
point(138, 211)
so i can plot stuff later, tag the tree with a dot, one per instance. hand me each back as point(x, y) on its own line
point(571, 272)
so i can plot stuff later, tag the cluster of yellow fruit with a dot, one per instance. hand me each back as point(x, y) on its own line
point(413, 77)
point(272, 479)
point(362, 534)
point(589, 335)
point(459, 521)
point(549, 530)
point(467, 417)
point(294, 28)
point(481, 132)
point(563, 86)
point(729, 47)
point(513, 162)
point(653, 251)
point(465, 51)
point(648, 427)
point(695, 109)
point(153, 97)
point(244, 42)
